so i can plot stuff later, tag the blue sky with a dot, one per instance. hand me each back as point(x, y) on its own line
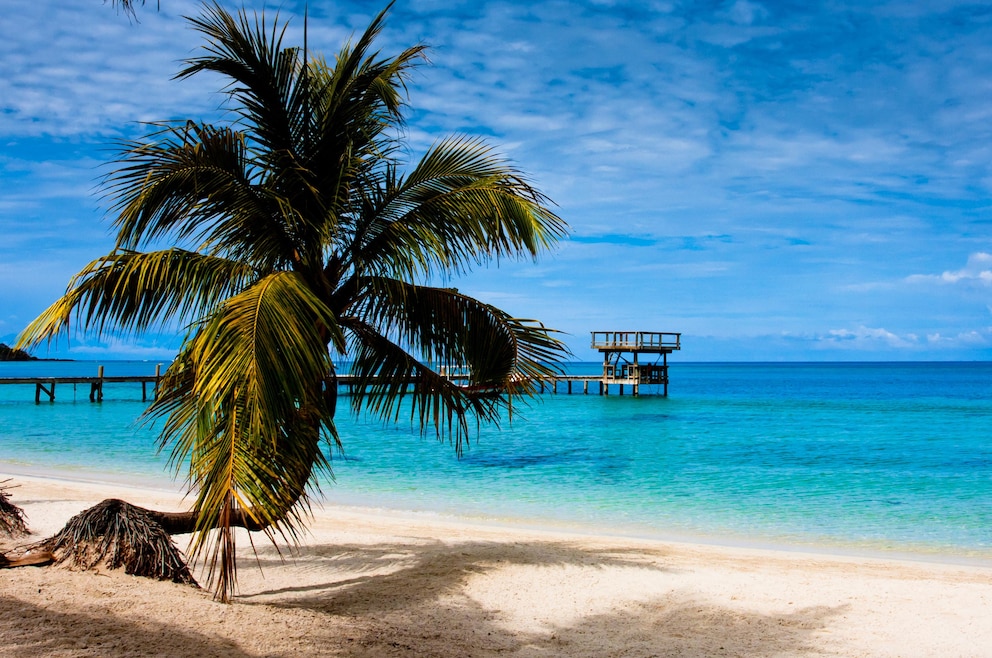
point(776, 180)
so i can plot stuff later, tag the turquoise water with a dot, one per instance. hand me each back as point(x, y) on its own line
point(865, 457)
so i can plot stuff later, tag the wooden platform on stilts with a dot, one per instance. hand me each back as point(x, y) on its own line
point(622, 365)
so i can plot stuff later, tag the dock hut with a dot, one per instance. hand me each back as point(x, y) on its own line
point(624, 359)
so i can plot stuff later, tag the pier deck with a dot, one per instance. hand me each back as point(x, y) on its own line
point(618, 370)
point(45, 387)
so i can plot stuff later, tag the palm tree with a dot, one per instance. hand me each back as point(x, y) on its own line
point(299, 234)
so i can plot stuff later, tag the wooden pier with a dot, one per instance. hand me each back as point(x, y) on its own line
point(45, 386)
point(619, 370)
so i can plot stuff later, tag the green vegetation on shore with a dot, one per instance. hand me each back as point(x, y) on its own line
point(8, 353)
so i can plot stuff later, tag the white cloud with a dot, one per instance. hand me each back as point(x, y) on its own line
point(160, 347)
point(746, 13)
point(879, 340)
point(967, 339)
point(867, 338)
point(126, 350)
point(977, 270)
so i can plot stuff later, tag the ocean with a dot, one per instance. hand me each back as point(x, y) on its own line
point(868, 458)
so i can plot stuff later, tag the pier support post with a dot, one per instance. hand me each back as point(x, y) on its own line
point(96, 388)
point(158, 378)
point(50, 392)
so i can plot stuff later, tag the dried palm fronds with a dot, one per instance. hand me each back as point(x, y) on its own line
point(118, 534)
point(11, 516)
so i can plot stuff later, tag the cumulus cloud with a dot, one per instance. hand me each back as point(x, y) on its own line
point(966, 339)
point(868, 338)
point(878, 340)
point(977, 270)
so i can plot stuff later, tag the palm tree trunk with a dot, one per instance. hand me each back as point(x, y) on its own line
point(181, 523)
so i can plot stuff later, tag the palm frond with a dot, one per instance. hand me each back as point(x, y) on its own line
point(135, 291)
point(454, 330)
point(263, 76)
point(354, 103)
point(462, 205)
point(387, 375)
point(129, 7)
point(196, 184)
point(243, 407)
point(409, 333)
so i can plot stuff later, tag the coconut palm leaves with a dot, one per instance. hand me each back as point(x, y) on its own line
point(299, 234)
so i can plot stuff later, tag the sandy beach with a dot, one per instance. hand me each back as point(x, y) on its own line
point(372, 583)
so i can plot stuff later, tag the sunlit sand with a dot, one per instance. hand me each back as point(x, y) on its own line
point(374, 583)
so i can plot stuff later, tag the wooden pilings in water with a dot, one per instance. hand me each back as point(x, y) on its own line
point(551, 384)
point(621, 364)
point(46, 386)
point(39, 388)
point(96, 388)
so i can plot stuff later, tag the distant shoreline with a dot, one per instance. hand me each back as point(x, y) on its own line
point(10, 354)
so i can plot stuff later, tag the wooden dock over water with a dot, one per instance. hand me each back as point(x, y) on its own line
point(46, 386)
point(622, 350)
point(621, 367)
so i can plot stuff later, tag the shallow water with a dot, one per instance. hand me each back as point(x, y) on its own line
point(873, 457)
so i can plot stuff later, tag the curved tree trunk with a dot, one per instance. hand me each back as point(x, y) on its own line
point(118, 534)
point(181, 523)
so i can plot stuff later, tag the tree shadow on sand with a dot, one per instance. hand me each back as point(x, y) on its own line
point(409, 599)
point(402, 576)
point(30, 631)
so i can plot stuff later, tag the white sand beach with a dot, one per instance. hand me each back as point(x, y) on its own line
point(369, 583)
